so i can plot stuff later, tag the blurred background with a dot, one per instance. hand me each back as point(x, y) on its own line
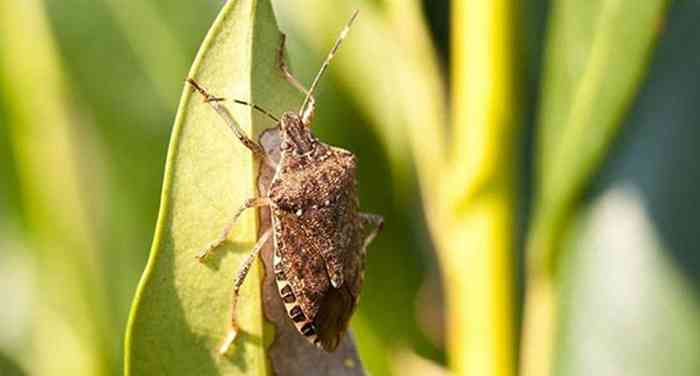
point(535, 162)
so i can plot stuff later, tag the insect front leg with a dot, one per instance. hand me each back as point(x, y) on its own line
point(249, 203)
point(308, 112)
point(223, 112)
point(374, 220)
point(240, 277)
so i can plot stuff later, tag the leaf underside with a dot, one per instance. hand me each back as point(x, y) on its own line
point(181, 309)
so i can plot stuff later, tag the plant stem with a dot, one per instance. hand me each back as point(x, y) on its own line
point(476, 246)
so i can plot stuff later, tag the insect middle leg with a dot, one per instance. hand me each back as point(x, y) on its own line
point(249, 203)
point(240, 278)
point(308, 114)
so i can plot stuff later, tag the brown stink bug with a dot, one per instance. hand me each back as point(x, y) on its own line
point(320, 237)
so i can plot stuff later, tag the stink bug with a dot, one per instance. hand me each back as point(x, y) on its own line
point(320, 237)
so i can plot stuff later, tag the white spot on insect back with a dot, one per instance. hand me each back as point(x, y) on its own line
point(299, 212)
point(336, 281)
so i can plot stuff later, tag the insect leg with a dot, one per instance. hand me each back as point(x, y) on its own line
point(249, 203)
point(375, 220)
point(240, 277)
point(308, 114)
point(215, 103)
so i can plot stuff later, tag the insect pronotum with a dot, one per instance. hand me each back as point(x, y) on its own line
point(319, 235)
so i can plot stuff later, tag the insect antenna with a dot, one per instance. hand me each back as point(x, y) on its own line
point(212, 100)
point(341, 37)
point(258, 108)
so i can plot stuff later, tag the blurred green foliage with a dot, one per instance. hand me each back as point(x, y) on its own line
point(596, 57)
point(82, 156)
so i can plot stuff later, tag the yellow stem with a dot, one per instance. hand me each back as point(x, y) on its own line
point(539, 327)
point(478, 198)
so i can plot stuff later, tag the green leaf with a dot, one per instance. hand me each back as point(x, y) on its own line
point(181, 309)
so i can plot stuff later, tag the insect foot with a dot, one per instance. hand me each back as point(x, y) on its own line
point(228, 340)
point(202, 255)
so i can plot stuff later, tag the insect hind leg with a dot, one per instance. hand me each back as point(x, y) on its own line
point(237, 283)
point(375, 220)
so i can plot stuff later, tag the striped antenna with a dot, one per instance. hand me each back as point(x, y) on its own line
point(341, 37)
point(259, 109)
